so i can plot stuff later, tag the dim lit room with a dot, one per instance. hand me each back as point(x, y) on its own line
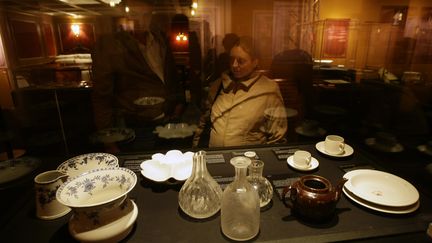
point(215, 120)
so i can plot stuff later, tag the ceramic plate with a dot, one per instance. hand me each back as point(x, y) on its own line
point(348, 150)
point(381, 188)
point(384, 209)
point(151, 100)
point(175, 130)
point(394, 149)
point(424, 149)
point(14, 169)
point(113, 232)
point(314, 164)
point(86, 162)
point(317, 133)
point(113, 135)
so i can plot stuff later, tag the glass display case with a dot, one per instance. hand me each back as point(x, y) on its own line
point(332, 64)
point(149, 80)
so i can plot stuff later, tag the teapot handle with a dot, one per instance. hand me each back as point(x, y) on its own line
point(293, 193)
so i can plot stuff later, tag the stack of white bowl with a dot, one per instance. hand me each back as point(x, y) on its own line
point(97, 192)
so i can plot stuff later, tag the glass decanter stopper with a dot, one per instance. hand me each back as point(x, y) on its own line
point(240, 210)
point(200, 196)
point(261, 184)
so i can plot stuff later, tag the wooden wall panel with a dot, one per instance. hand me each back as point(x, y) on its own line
point(27, 39)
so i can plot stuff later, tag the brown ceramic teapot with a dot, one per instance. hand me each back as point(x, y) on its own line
point(313, 197)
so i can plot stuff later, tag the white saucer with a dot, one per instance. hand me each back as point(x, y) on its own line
point(394, 149)
point(348, 150)
point(50, 217)
point(317, 133)
point(314, 164)
point(424, 149)
point(380, 208)
point(112, 232)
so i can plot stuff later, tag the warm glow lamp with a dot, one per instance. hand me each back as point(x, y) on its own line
point(75, 29)
point(181, 37)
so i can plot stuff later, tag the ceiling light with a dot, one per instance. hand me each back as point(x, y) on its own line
point(112, 3)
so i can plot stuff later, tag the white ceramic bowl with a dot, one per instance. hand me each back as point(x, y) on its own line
point(173, 164)
point(97, 188)
point(86, 162)
point(175, 130)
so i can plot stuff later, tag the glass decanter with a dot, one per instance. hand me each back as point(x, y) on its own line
point(261, 184)
point(200, 196)
point(240, 210)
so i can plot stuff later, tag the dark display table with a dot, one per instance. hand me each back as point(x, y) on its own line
point(161, 220)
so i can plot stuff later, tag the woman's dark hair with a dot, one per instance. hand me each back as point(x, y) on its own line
point(246, 43)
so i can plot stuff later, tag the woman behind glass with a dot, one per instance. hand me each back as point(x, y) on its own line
point(244, 107)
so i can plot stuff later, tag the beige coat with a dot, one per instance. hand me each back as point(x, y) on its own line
point(255, 116)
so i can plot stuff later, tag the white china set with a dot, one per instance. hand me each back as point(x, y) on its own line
point(373, 189)
point(333, 146)
point(381, 191)
point(95, 189)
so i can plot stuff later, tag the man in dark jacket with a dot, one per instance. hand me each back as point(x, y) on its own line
point(134, 76)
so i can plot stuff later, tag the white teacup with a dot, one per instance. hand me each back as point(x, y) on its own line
point(334, 144)
point(302, 159)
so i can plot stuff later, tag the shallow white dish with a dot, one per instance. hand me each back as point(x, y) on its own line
point(113, 135)
point(174, 164)
point(150, 100)
point(316, 133)
point(114, 231)
point(99, 188)
point(348, 150)
point(380, 208)
point(381, 188)
point(393, 149)
point(11, 170)
point(86, 162)
point(314, 164)
point(424, 149)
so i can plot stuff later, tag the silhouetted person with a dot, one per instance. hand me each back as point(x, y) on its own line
point(130, 66)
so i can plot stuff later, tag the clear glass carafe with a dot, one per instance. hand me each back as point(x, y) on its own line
point(240, 210)
point(260, 183)
point(200, 196)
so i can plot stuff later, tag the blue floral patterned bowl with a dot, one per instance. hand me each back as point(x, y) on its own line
point(97, 188)
point(86, 162)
